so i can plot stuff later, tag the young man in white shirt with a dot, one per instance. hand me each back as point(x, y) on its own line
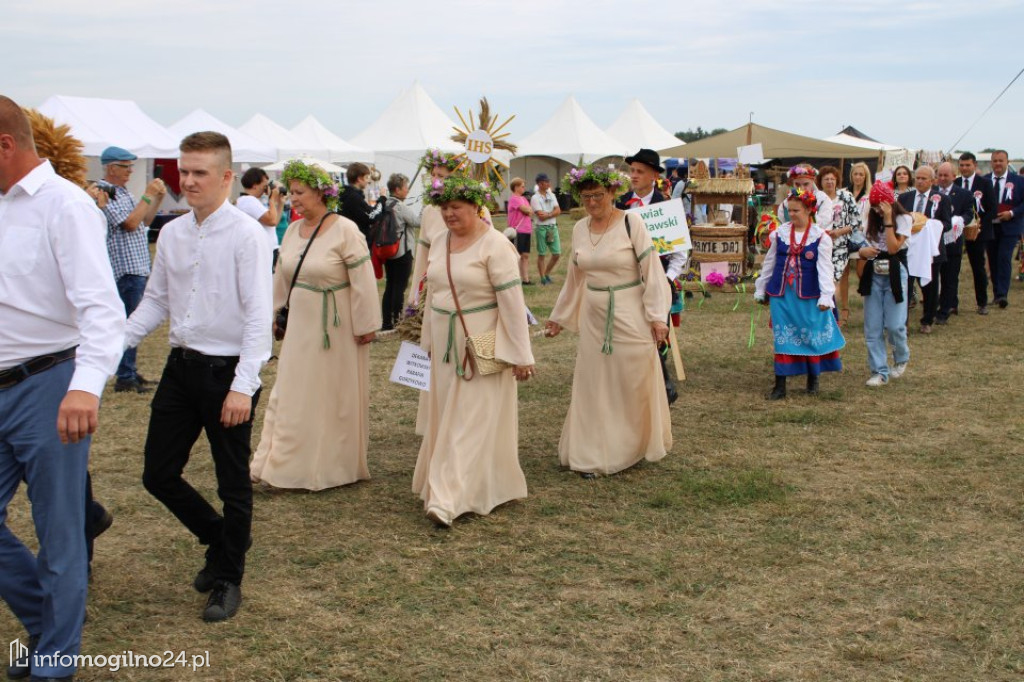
point(212, 279)
point(546, 209)
point(254, 185)
point(61, 337)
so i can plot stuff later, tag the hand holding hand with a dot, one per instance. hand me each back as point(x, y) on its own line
point(366, 338)
point(552, 329)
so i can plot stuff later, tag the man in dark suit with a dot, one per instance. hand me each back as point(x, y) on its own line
point(927, 199)
point(1008, 224)
point(644, 171)
point(984, 209)
point(962, 204)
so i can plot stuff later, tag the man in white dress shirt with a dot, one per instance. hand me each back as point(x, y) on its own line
point(212, 279)
point(61, 337)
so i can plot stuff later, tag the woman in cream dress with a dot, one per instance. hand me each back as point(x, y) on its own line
point(439, 166)
point(469, 458)
point(316, 427)
point(615, 296)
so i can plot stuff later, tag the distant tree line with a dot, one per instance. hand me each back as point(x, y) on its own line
point(698, 134)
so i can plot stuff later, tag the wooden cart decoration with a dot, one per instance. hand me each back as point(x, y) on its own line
point(722, 240)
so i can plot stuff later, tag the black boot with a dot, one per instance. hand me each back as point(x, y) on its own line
point(812, 384)
point(779, 392)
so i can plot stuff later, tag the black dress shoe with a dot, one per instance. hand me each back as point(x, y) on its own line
point(983, 310)
point(223, 602)
point(1002, 302)
point(121, 386)
point(143, 381)
point(102, 523)
point(588, 475)
point(21, 668)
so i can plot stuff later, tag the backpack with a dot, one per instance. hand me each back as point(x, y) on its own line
point(385, 233)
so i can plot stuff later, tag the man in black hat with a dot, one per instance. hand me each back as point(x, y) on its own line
point(644, 171)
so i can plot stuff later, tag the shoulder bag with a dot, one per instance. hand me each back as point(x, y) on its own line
point(281, 316)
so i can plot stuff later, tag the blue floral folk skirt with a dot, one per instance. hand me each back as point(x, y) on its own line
point(807, 340)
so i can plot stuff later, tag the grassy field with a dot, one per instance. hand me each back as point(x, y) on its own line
point(866, 534)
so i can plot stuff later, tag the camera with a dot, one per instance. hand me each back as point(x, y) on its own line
point(280, 323)
point(282, 190)
point(109, 189)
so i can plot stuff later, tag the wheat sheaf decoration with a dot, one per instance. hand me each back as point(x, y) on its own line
point(56, 144)
point(482, 135)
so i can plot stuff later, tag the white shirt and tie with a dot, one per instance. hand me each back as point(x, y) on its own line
point(213, 280)
point(56, 286)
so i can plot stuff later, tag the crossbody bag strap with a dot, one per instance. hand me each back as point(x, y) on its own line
point(295, 276)
point(455, 299)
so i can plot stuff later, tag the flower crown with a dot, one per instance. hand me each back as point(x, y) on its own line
point(313, 177)
point(435, 157)
point(608, 178)
point(458, 188)
point(802, 171)
point(805, 197)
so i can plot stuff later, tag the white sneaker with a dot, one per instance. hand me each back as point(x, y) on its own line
point(877, 380)
point(897, 371)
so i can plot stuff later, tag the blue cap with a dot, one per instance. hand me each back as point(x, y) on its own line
point(111, 154)
point(542, 177)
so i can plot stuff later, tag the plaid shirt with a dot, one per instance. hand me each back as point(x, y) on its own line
point(128, 250)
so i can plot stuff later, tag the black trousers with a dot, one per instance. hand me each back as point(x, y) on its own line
point(188, 400)
point(396, 272)
point(930, 296)
point(977, 253)
point(949, 282)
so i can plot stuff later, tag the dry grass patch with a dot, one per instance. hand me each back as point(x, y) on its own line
point(864, 534)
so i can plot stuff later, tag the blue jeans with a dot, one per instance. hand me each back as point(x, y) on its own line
point(883, 315)
point(47, 593)
point(130, 288)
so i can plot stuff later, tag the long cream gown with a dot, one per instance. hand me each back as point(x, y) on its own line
point(432, 228)
point(469, 459)
point(618, 414)
point(316, 428)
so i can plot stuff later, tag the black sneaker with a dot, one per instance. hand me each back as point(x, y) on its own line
point(121, 386)
point(205, 579)
point(21, 668)
point(223, 602)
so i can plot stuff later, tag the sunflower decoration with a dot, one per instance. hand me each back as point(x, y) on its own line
point(483, 132)
point(56, 144)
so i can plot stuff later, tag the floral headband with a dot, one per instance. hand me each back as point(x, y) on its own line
point(435, 157)
point(608, 178)
point(313, 177)
point(805, 197)
point(458, 188)
point(802, 172)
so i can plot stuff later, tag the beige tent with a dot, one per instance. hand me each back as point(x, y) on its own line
point(776, 144)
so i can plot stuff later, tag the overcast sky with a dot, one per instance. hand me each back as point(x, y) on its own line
point(915, 73)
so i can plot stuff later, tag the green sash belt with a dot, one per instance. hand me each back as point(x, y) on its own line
point(452, 316)
point(609, 318)
point(327, 292)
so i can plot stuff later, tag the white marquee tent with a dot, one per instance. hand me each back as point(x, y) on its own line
point(288, 146)
point(244, 147)
point(411, 124)
point(566, 138)
point(637, 129)
point(313, 133)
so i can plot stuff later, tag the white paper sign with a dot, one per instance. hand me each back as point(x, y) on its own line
point(412, 367)
point(666, 221)
point(753, 153)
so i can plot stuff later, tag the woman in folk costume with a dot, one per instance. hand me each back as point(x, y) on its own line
point(317, 424)
point(798, 281)
point(615, 297)
point(469, 458)
point(436, 166)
